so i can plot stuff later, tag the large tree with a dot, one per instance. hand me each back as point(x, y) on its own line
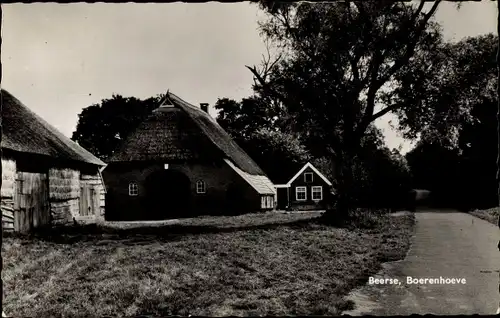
point(279, 149)
point(451, 80)
point(102, 126)
point(464, 83)
point(257, 129)
point(436, 168)
point(478, 147)
point(337, 69)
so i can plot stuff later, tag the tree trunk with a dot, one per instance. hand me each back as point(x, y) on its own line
point(343, 175)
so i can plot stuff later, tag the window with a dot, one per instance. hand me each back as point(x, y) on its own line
point(200, 186)
point(269, 202)
point(300, 193)
point(133, 189)
point(266, 202)
point(308, 177)
point(317, 193)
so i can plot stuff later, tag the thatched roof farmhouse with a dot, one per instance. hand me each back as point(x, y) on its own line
point(179, 162)
point(46, 177)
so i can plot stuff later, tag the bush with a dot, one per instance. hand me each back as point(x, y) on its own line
point(360, 218)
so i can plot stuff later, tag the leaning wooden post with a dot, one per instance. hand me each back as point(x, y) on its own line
point(1, 102)
point(498, 115)
point(498, 132)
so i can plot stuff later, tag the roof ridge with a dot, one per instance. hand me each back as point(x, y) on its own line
point(206, 127)
point(66, 143)
point(214, 122)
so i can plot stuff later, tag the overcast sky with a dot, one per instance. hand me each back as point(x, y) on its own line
point(60, 58)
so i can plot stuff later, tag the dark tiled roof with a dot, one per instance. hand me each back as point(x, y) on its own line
point(25, 131)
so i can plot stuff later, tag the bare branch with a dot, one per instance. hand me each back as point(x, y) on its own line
point(361, 9)
point(256, 75)
point(376, 83)
point(267, 67)
point(419, 10)
point(384, 111)
point(260, 80)
point(356, 52)
point(375, 65)
point(410, 48)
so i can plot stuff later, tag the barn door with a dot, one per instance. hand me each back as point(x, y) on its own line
point(89, 200)
point(84, 200)
point(31, 203)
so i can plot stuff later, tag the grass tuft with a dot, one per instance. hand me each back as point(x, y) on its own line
point(490, 215)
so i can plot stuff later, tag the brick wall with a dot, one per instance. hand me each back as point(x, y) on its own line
point(218, 179)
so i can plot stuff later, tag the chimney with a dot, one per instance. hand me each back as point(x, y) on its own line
point(204, 107)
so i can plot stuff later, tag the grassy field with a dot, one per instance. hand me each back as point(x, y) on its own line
point(260, 264)
point(490, 215)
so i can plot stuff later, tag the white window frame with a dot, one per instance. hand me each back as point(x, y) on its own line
point(133, 189)
point(297, 193)
point(312, 177)
point(320, 192)
point(201, 187)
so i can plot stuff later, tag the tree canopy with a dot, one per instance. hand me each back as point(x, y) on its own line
point(463, 165)
point(281, 150)
point(338, 69)
point(102, 126)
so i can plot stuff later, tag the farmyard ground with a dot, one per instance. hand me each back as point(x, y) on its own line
point(257, 264)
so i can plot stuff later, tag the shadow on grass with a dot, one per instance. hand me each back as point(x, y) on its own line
point(103, 235)
point(360, 219)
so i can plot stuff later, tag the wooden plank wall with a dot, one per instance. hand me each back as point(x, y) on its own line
point(89, 200)
point(31, 201)
point(96, 190)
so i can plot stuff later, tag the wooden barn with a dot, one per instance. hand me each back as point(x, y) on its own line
point(46, 177)
point(180, 163)
point(306, 190)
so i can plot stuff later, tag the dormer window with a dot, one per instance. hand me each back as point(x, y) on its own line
point(133, 189)
point(167, 103)
point(308, 177)
point(200, 187)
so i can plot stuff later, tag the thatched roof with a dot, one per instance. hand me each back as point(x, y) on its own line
point(25, 132)
point(182, 131)
point(261, 184)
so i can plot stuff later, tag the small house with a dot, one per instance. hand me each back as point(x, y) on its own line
point(46, 177)
point(180, 163)
point(307, 190)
